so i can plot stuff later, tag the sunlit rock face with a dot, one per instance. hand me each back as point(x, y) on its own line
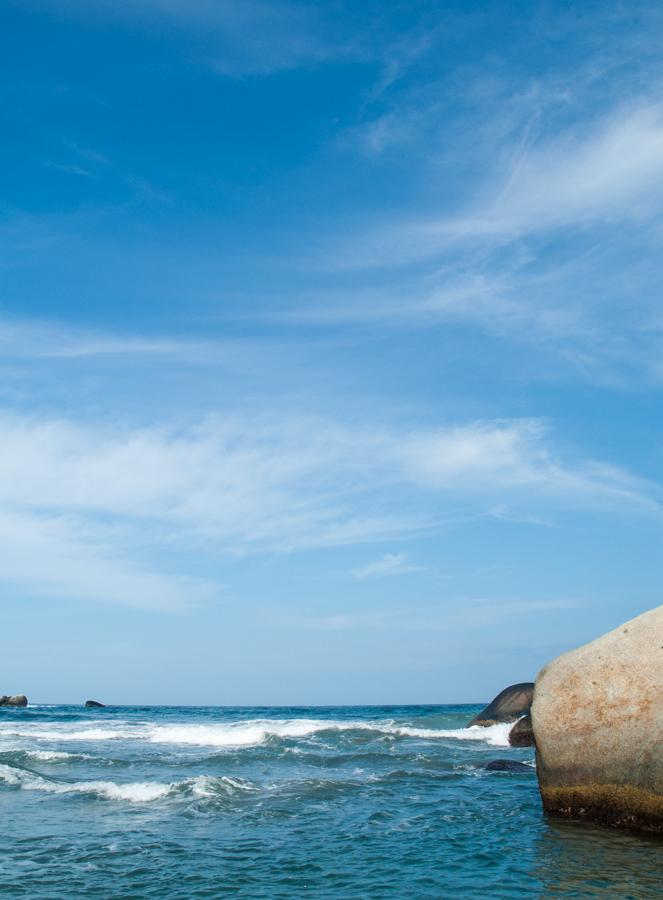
point(597, 717)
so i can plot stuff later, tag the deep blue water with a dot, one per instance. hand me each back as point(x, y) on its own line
point(351, 802)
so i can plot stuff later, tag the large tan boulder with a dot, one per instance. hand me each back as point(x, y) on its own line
point(597, 716)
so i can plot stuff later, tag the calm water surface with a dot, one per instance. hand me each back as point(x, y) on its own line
point(346, 802)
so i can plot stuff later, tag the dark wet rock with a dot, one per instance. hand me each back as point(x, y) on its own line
point(522, 733)
point(94, 704)
point(509, 705)
point(508, 765)
point(16, 700)
point(598, 723)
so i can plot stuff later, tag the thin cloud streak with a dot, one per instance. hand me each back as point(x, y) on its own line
point(44, 340)
point(388, 565)
point(236, 38)
point(459, 613)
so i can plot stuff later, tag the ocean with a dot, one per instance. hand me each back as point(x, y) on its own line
point(344, 802)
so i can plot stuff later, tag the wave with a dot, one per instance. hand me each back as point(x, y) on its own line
point(495, 735)
point(211, 790)
point(200, 787)
point(240, 734)
point(259, 731)
point(138, 792)
point(20, 756)
point(87, 734)
point(49, 755)
point(255, 732)
point(212, 786)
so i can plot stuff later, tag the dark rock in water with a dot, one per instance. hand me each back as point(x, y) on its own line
point(509, 705)
point(16, 700)
point(507, 765)
point(94, 704)
point(522, 733)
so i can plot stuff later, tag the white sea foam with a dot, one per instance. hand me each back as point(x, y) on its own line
point(80, 734)
point(495, 735)
point(253, 732)
point(138, 792)
point(205, 786)
point(54, 755)
point(240, 734)
point(200, 787)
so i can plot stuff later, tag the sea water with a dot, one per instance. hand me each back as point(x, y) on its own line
point(349, 802)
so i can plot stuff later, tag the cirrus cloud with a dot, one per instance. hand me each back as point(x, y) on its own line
point(90, 501)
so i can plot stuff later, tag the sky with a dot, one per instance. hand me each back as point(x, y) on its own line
point(331, 345)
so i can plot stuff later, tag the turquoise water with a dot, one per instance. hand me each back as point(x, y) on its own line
point(358, 802)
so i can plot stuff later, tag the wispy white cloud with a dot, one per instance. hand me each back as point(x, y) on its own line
point(388, 565)
point(234, 37)
point(230, 485)
point(46, 340)
point(594, 317)
point(505, 514)
point(515, 456)
point(69, 169)
point(285, 481)
point(86, 153)
point(68, 557)
point(607, 172)
point(466, 613)
point(611, 172)
point(555, 242)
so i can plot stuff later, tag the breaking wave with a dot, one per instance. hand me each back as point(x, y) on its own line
point(202, 786)
point(47, 756)
point(254, 732)
point(139, 792)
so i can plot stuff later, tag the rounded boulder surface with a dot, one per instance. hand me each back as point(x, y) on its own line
point(509, 705)
point(598, 723)
point(94, 704)
point(16, 700)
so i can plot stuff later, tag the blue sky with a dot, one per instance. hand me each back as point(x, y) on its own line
point(331, 345)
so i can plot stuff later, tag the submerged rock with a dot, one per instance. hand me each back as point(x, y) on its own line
point(94, 704)
point(522, 734)
point(598, 722)
point(507, 765)
point(509, 705)
point(16, 700)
